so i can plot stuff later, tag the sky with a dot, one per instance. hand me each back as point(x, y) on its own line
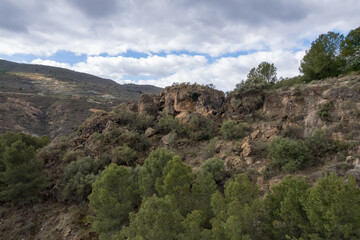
point(160, 42)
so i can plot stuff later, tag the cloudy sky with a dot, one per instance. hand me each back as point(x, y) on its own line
point(164, 41)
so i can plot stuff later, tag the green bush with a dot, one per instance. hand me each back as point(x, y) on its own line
point(288, 82)
point(168, 123)
point(214, 166)
point(201, 128)
point(78, 177)
point(134, 120)
point(325, 111)
point(293, 132)
point(72, 155)
point(210, 149)
point(124, 155)
point(290, 155)
point(230, 130)
point(78, 187)
point(136, 141)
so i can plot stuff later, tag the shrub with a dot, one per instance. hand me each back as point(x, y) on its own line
point(214, 166)
point(133, 139)
point(103, 160)
point(230, 130)
point(259, 148)
point(210, 149)
point(293, 132)
point(318, 143)
point(78, 187)
point(72, 155)
point(142, 122)
point(288, 82)
point(78, 177)
point(124, 155)
point(290, 155)
point(134, 120)
point(201, 128)
point(168, 123)
point(325, 111)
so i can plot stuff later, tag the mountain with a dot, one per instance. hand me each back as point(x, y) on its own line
point(307, 130)
point(39, 99)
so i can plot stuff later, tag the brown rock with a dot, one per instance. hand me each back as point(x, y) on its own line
point(166, 139)
point(184, 117)
point(254, 134)
point(271, 132)
point(150, 132)
point(274, 182)
point(249, 160)
point(246, 148)
point(149, 104)
point(191, 98)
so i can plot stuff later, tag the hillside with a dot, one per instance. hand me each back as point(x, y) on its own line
point(39, 99)
point(198, 123)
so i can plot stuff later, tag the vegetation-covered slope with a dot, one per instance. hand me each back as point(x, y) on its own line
point(192, 163)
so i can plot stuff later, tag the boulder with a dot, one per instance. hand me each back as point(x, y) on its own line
point(150, 132)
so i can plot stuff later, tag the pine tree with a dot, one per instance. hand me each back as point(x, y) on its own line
point(22, 176)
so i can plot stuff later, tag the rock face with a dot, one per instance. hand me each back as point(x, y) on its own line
point(191, 98)
point(300, 107)
point(149, 104)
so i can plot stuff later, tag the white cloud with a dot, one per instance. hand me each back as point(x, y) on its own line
point(211, 27)
point(162, 71)
point(50, 63)
point(270, 30)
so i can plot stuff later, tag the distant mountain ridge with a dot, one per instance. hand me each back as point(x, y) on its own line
point(39, 99)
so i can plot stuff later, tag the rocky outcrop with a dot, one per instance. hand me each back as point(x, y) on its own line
point(192, 98)
point(149, 104)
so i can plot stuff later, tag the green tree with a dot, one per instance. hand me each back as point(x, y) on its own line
point(22, 176)
point(193, 226)
point(152, 170)
point(202, 190)
point(284, 210)
point(176, 182)
point(157, 219)
point(322, 59)
point(237, 213)
point(248, 94)
point(350, 50)
point(265, 72)
point(333, 209)
point(113, 197)
point(214, 166)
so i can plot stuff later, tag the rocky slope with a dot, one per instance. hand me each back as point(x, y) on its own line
point(332, 105)
point(39, 100)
